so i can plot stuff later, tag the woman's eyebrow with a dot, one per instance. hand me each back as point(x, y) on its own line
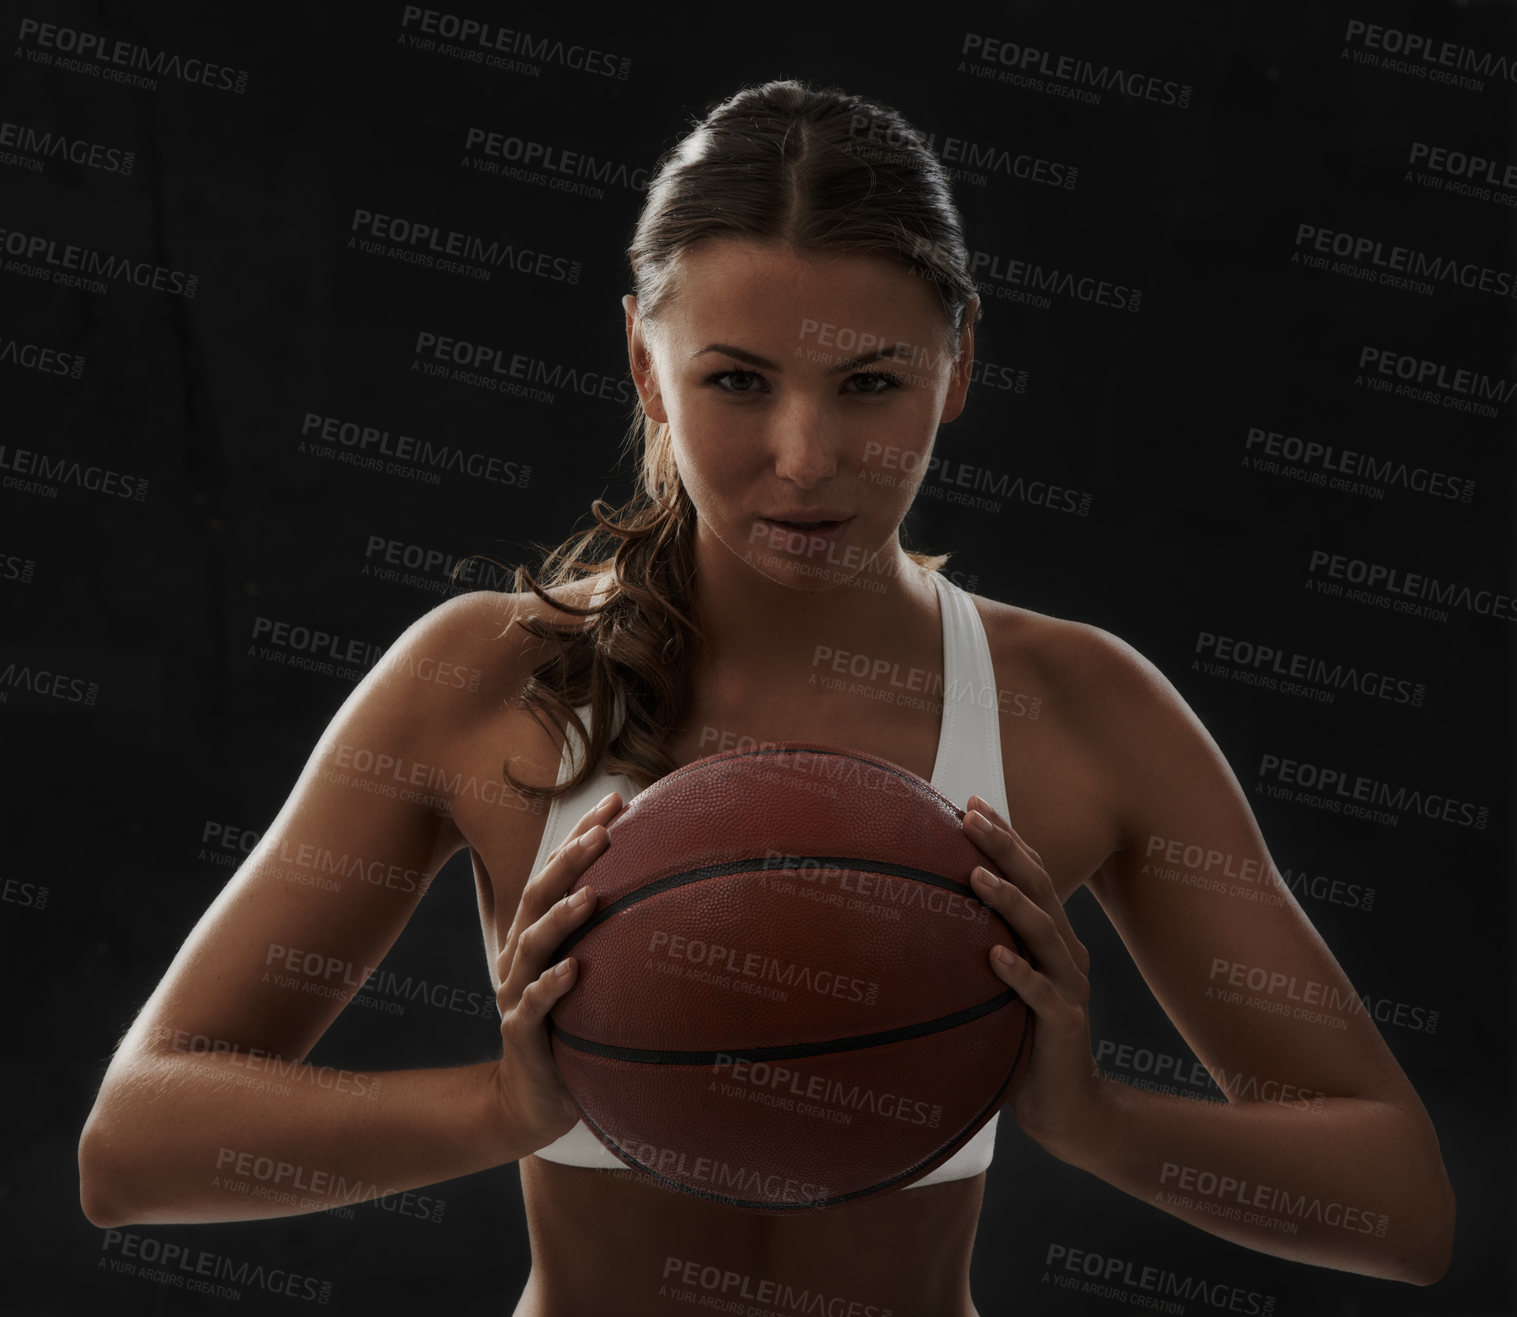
point(842, 368)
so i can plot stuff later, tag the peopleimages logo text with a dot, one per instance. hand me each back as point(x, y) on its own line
point(105, 53)
point(1345, 786)
point(1074, 71)
point(1411, 585)
point(88, 262)
point(472, 32)
point(1406, 262)
point(1430, 51)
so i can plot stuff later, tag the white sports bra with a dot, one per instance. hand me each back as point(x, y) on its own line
point(968, 763)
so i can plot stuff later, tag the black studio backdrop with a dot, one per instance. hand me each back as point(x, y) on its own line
point(1246, 402)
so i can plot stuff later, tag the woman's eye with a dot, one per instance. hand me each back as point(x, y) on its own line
point(873, 382)
point(737, 381)
point(866, 383)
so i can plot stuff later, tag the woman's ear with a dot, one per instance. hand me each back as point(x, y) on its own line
point(958, 380)
point(640, 359)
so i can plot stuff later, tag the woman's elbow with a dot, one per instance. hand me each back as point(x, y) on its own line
point(99, 1181)
point(110, 1185)
point(1430, 1261)
point(1420, 1234)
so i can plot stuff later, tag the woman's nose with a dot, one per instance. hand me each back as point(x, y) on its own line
point(804, 446)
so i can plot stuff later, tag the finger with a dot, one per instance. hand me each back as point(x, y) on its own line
point(1006, 850)
point(1033, 924)
point(1021, 865)
point(522, 1031)
point(567, 860)
point(980, 805)
point(547, 887)
point(998, 818)
point(542, 994)
point(1054, 1012)
point(527, 950)
point(599, 814)
point(1039, 929)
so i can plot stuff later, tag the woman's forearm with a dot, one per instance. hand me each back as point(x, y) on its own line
point(234, 1136)
point(1349, 1183)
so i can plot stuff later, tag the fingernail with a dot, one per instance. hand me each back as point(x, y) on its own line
point(605, 800)
point(985, 878)
point(1003, 956)
point(591, 837)
point(563, 967)
point(579, 898)
point(974, 819)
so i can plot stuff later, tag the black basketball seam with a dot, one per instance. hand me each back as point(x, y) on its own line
point(926, 1165)
point(753, 864)
point(786, 1051)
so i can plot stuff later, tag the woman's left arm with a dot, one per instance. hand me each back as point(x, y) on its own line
point(1347, 1173)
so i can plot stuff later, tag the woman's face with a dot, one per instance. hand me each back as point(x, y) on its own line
point(798, 389)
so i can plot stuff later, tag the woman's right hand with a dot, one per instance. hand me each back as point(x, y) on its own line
point(535, 1101)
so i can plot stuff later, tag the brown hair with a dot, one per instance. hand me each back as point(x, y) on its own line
point(823, 171)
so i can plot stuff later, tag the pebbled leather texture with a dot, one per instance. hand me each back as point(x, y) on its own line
point(784, 1001)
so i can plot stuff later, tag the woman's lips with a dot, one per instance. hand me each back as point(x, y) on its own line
point(785, 533)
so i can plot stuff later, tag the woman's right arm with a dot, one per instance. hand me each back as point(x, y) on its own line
point(208, 1095)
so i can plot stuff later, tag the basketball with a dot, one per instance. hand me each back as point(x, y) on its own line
point(784, 999)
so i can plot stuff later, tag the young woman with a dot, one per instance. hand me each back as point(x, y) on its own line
point(777, 468)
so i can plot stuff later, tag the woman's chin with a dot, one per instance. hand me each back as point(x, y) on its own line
point(793, 574)
point(811, 567)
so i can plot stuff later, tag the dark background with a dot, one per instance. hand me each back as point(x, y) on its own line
point(169, 732)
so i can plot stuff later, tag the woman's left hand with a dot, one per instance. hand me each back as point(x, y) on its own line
point(1054, 1099)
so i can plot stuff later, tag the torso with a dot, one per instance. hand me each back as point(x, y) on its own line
point(603, 1240)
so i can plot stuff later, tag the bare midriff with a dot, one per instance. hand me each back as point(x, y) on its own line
point(613, 1241)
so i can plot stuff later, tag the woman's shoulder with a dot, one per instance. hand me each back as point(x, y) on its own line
point(1058, 648)
point(448, 690)
point(1128, 733)
point(481, 629)
point(1096, 676)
